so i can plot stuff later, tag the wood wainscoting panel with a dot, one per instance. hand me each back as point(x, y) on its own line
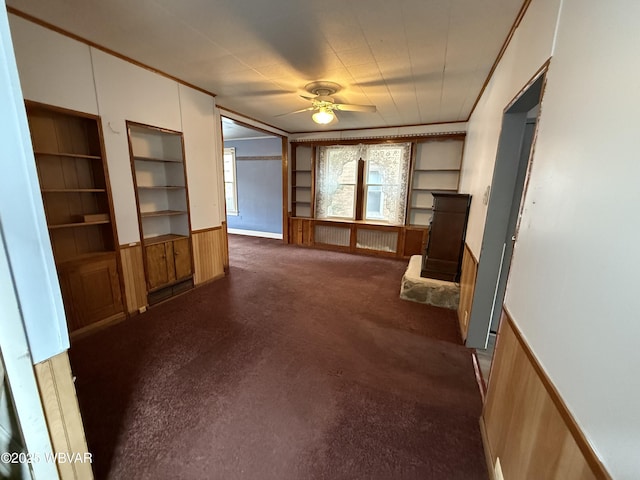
point(415, 241)
point(60, 405)
point(135, 286)
point(300, 231)
point(225, 238)
point(467, 287)
point(209, 254)
point(527, 424)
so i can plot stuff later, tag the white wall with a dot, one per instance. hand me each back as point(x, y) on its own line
point(63, 72)
point(54, 69)
point(203, 175)
point(128, 92)
point(573, 286)
point(530, 48)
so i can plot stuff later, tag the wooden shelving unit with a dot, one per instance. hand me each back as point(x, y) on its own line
point(73, 178)
point(157, 162)
point(436, 168)
point(302, 181)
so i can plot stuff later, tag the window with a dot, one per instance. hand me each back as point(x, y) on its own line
point(375, 195)
point(337, 180)
point(384, 173)
point(230, 189)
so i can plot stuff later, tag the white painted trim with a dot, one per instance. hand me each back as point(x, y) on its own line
point(30, 299)
point(254, 233)
point(248, 121)
point(263, 137)
point(22, 381)
point(24, 228)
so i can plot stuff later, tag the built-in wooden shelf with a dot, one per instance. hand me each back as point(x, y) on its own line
point(162, 213)
point(301, 203)
point(434, 190)
point(69, 155)
point(162, 238)
point(78, 224)
point(71, 166)
point(153, 159)
point(89, 256)
point(302, 187)
point(422, 208)
point(74, 190)
point(431, 170)
point(161, 187)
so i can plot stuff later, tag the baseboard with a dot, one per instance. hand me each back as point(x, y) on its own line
point(482, 386)
point(486, 447)
point(254, 233)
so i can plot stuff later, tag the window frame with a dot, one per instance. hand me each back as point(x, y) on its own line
point(362, 186)
point(234, 210)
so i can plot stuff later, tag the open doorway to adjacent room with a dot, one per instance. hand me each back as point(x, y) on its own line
point(507, 191)
point(252, 180)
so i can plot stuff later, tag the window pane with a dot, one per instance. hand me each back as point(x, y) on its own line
point(387, 176)
point(374, 203)
point(229, 194)
point(228, 167)
point(382, 203)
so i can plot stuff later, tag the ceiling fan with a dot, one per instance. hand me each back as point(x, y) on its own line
point(324, 105)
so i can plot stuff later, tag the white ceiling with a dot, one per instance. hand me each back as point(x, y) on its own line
point(232, 130)
point(418, 61)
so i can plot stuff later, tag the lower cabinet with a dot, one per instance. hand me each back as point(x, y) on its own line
point(168, 263)
point(90, 290)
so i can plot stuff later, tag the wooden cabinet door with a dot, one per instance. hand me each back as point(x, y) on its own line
point(91, 291)
point(157, 269)
point(182, 258)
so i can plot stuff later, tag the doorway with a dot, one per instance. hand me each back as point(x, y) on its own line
point(508, 188)
point(252, 180)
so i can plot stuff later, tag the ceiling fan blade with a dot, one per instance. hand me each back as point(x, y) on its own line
point(308, 98)
point(354, 108)
point(297, 111)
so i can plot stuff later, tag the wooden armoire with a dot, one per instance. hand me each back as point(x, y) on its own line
point(443, 254)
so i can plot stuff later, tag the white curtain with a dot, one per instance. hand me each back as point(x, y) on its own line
point(336, 181)
point(337, 177)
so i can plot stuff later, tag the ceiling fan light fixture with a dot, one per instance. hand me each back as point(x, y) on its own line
point(323, 116)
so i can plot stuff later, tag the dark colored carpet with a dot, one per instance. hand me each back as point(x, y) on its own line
point(301, 364)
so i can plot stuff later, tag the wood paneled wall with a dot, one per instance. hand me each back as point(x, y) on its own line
point(343, 236)
point(467, 287)
point(525, 421)
point(210, 253)
point(135, 286)
point(301, 231)
point(60, 405)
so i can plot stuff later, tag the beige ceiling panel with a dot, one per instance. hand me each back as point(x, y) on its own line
point(279, 70)
point(257, 57)
point(356, 56)
point(390, 54)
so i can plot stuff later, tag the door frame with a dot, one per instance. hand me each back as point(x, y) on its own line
point(491, 265)
point(284, 139)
